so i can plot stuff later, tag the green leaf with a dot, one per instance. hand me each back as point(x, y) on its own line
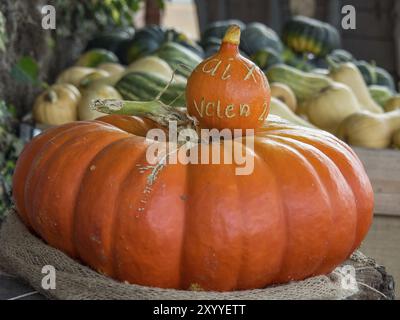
point(26, 70)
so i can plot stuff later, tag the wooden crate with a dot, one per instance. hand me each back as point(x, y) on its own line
point(382, 243)
point(383, 169)
point(383, 239)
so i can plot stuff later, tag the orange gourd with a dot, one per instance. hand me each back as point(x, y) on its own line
point(82, 188)
point(88, 189)
point(228, 90)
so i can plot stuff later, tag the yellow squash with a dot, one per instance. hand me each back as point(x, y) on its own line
point(330, 107)
point(93, 92)
point(392, 104)
point(68, 86)
point(283, 92)
point(348, 74)
point(279, 108)
point(57, 105)
point(370, 130)
point(112, 68)
point(93, 77)
point(74, 75)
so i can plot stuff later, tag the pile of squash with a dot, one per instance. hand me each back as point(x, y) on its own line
point(314, 83)
point(339, 102)
point(118, 65)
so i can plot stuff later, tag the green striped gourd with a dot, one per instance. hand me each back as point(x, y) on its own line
point(142, 86)
point(304, 84)
point(179, 58)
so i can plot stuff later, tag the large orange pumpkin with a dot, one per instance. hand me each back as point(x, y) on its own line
point(83, 187)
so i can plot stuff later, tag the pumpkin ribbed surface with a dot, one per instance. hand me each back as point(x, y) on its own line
point(84, 188)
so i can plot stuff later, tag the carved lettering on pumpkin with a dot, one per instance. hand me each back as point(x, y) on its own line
point(200, 111)
point(219, 114)
point(212, 108)
point(226, 75)
point(264, 113)
point(250, 72)
point(211, 66)
point(244, 110)
point(229, 112)
point(209, 104)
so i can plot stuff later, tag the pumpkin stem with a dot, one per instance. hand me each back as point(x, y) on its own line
point(154, 110)
point(51, 96)
point(232, 35)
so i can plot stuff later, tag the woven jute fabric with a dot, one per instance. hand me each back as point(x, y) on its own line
point(24, 255)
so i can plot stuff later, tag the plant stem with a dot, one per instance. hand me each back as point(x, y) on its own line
point(154, 110)
point(51, 96)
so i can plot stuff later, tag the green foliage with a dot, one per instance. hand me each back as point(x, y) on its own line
point(10, 147)
point(116, 12)
point(26, 70)
point(83, 16)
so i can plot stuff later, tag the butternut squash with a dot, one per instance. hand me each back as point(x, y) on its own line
point(279, 108)
point(392, 104)
point(370, 130)
point(330, 107)
point(348, 74)
point(283, 92)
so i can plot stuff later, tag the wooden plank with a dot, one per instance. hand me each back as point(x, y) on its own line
point(386, 186)
point(382, 27)
point(380, 164)
point(387, 203)
point(333, 14)
point(201, 7)
point(269, 12)
point(249, 10)
point(382, 243)
point(368, 5)
point(383, 169)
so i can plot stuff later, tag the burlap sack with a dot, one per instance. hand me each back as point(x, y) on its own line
point(24, 256)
